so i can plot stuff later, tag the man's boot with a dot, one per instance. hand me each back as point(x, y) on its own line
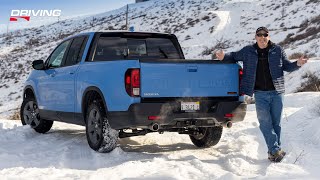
point(277, 157)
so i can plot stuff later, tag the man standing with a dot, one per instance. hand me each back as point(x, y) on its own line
point(263, 66)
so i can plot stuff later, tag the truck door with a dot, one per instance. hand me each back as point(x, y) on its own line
point(60, 84)
point(48, 91)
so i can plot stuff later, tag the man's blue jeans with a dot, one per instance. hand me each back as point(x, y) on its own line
point(269, 106)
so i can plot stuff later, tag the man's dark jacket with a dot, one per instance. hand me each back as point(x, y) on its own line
point(278, 62)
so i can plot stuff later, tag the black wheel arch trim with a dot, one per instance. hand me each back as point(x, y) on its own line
point(32, 89)
point(92, 88)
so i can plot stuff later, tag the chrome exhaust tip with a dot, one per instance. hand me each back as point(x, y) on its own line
point(228, 124)
point(155, 127)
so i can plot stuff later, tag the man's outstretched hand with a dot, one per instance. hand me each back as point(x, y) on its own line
point(220, 54)
point(302, 60)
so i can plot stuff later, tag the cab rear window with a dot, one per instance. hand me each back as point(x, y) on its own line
point(118, 48)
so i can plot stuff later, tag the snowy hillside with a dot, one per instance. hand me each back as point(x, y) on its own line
point(200, 25)
point(63, 153)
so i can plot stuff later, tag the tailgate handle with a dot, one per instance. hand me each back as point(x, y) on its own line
point(53, 74)
point(192, 68)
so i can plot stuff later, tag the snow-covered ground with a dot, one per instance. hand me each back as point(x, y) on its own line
point(200, 25)
point(63, 153)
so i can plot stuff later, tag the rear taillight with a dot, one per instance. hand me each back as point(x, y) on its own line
point(152, 118)
point(228, 115)
point(132, 82)
point(240, 79)
point(240, 74)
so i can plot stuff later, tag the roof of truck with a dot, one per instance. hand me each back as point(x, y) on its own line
point(118, 31)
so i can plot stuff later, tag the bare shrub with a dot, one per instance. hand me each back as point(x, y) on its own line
point(64, 35)
point(110, 28)
point(312, 1)
point(190, 22)
point(9, 37)
point(311, 31)
point(187, 37)
point(305, 54)
point(17, 49)
point(311, 84)
point(277, 7)
point(206, 51)
point(33, 41)
point(211, 29)
point(15, 115)
point(93, 21)
point(221, 44)
point(296, 55)
point(206, 18)
point(315, 19)
point(164, 21)
point(306, 23)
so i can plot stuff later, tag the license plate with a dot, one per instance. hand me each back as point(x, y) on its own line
point(190, 106)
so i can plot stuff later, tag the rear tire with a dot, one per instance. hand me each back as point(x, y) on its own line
point(101, 137)
point(207, 136)
point(29, 113)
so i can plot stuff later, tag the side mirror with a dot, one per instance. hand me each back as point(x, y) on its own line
point(38, 65)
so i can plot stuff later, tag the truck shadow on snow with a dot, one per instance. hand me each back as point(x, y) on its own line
point(130, 145)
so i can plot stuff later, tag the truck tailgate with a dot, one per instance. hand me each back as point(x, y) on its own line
point(186, 78)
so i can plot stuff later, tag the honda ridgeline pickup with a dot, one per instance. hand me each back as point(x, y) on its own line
point(123, 84)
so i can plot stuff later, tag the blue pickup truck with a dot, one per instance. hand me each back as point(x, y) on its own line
point(123, 84)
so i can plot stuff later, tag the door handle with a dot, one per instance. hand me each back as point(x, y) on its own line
point(71, 73)
point(53, 75)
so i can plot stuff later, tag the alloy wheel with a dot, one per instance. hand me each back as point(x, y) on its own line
point(94, 126)
point(31, 114)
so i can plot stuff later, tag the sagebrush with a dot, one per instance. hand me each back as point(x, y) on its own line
point(312, 83)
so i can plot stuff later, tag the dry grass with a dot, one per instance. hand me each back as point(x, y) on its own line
point(310, 31)
point(15, 115)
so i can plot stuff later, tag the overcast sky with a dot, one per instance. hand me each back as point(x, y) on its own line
point(67, 7)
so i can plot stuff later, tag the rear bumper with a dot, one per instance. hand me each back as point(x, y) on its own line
point(172, 117)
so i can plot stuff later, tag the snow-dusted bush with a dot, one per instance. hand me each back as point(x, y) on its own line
point(311, 84)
